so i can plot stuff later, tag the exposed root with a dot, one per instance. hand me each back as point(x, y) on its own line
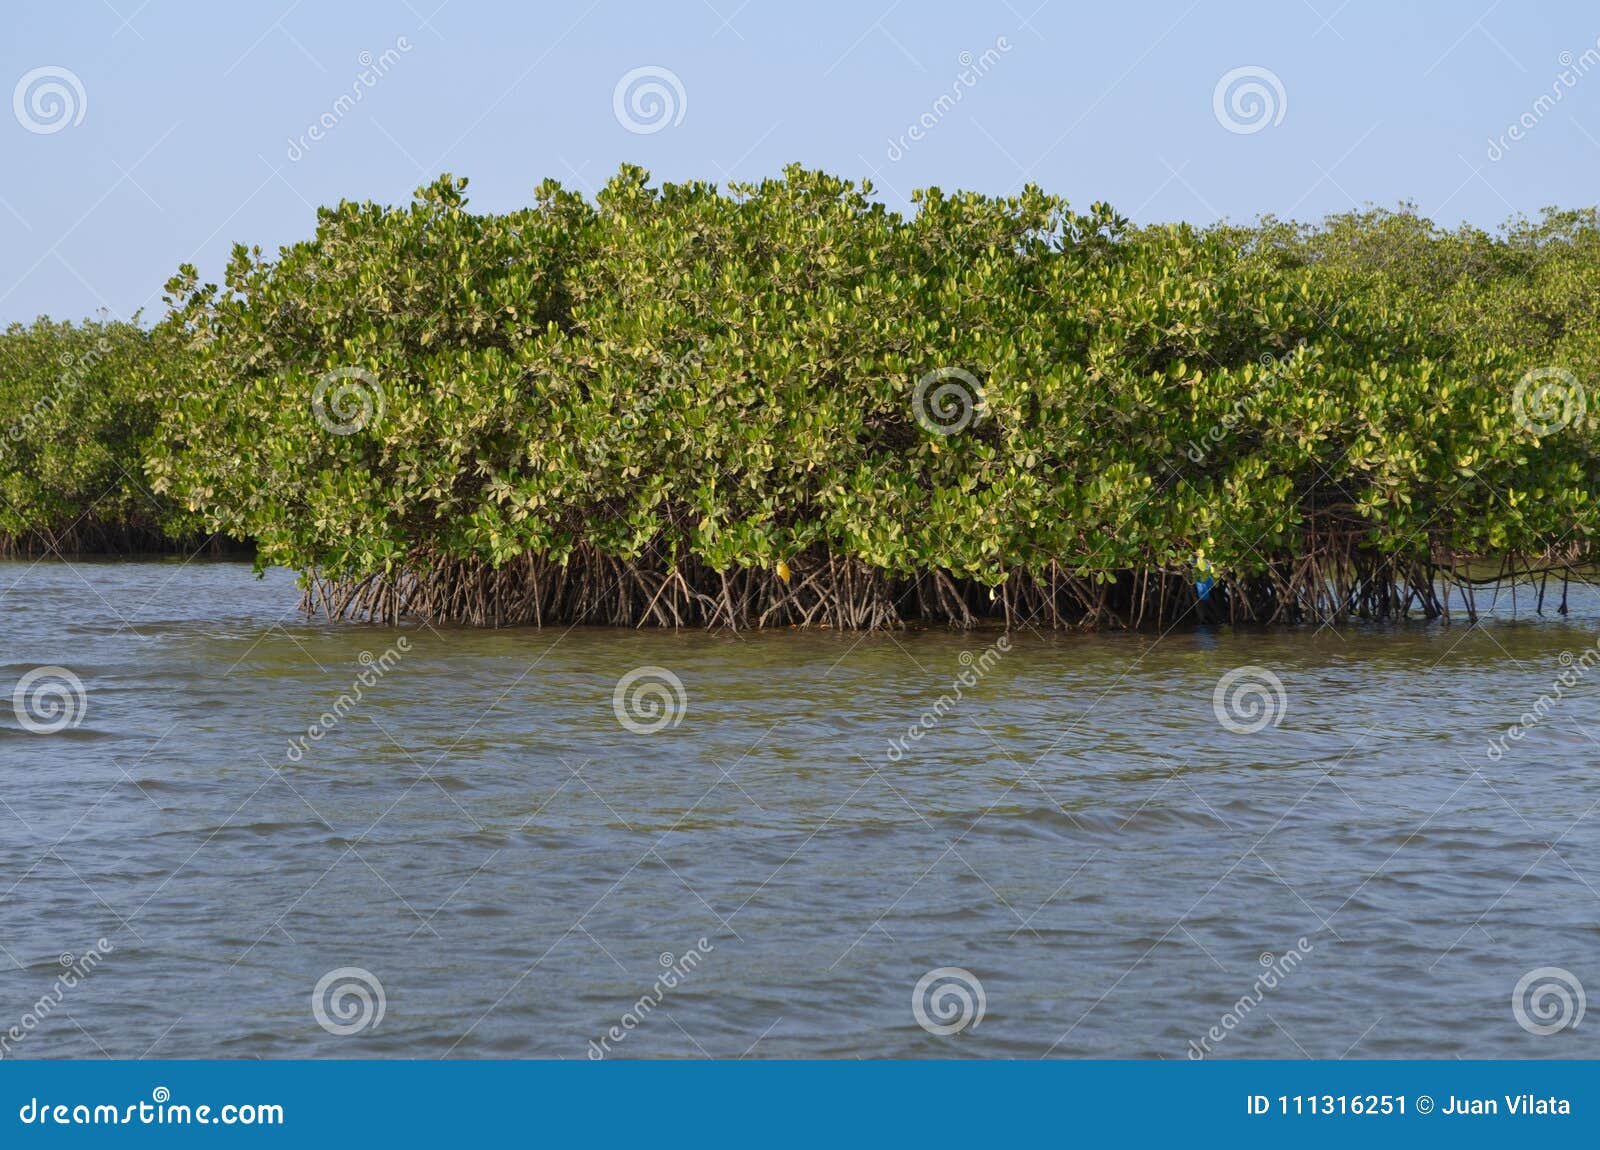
point(1335, 581)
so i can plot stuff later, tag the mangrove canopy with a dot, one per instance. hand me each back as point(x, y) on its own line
point(784, 404)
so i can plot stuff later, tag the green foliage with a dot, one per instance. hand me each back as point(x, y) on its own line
point(679, 376)
point(78, 414)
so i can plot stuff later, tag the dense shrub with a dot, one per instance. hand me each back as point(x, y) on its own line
point(783, 403)
point(78, 412)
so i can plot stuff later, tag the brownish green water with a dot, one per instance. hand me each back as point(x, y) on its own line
point(1080, 831)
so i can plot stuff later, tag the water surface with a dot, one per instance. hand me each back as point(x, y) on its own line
point(1079, 831)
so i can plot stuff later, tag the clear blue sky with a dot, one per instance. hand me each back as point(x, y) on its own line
point(180, 142)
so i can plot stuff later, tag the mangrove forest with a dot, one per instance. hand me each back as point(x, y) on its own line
point(784, 404)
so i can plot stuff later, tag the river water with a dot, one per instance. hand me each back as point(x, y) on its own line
point(1112, 861)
